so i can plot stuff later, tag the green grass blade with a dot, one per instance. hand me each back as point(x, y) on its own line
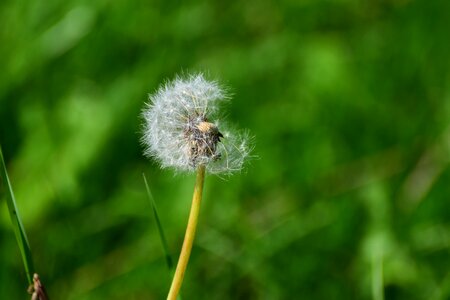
point(19, 230)
point(169, 260)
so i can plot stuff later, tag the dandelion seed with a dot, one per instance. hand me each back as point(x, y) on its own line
point(181, 128)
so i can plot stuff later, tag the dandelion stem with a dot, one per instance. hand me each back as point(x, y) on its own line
point(189, 235)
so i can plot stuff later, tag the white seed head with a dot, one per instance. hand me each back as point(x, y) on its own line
point(181, 132)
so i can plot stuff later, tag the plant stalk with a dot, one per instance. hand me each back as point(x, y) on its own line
point(19, 230)
point(189, 235)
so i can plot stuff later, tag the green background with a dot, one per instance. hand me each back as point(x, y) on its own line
point(349, 106)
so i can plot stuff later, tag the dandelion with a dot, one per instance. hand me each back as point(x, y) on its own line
point(182, 132)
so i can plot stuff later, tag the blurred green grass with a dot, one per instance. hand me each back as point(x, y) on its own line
point(349, 103)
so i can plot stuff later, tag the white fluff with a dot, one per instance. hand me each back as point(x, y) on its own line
point(167, 116)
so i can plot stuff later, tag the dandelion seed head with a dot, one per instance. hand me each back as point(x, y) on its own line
point(182, 131)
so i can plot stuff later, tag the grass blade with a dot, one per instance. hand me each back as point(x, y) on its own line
point(19, 230)
point(169, 260)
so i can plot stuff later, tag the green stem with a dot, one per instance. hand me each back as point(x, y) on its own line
point(189, 236)
point(19, 231)
point(162, 236)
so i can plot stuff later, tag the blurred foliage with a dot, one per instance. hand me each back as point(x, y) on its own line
point(349, 103)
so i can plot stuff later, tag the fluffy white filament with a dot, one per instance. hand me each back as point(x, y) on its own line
point(178, 105)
